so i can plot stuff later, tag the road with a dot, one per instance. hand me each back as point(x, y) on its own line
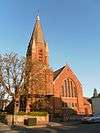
point(6, 129)
point(78, 128)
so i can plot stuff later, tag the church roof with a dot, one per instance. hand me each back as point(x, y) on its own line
point(57, 72)
point(38, 32)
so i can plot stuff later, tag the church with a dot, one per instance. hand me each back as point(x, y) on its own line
point(62, 87)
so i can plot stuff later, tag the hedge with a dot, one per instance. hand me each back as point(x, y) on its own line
point(21, 113)
point(35, 113)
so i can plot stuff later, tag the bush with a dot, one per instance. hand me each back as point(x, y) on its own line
point(35, 113)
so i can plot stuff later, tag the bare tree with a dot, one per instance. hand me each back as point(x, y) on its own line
point(2, 98)
point(2, 94)
point(11, 73)
point(19, 76)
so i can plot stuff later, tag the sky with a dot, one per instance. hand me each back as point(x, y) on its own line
point(71, 28)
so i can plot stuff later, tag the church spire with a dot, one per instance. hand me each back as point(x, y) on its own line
point(38, 32)
point(38, 48)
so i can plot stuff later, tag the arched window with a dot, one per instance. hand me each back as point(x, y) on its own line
point(22, 106)
point(71, 88)
point(68, 88)
point(75, 91)
point(65, 86)
point(62, 91)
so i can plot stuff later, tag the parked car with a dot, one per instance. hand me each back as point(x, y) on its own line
point(91, 119)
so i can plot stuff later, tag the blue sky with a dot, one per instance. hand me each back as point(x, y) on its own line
point(71, 28)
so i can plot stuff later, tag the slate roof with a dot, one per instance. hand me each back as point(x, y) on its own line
point(57, 72)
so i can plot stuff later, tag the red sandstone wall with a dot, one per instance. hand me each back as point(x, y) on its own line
point(79, 100)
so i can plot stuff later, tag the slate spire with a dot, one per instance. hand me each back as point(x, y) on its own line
point(38, 32)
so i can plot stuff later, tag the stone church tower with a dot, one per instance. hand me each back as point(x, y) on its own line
point(37, 53)
point(38, 48)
